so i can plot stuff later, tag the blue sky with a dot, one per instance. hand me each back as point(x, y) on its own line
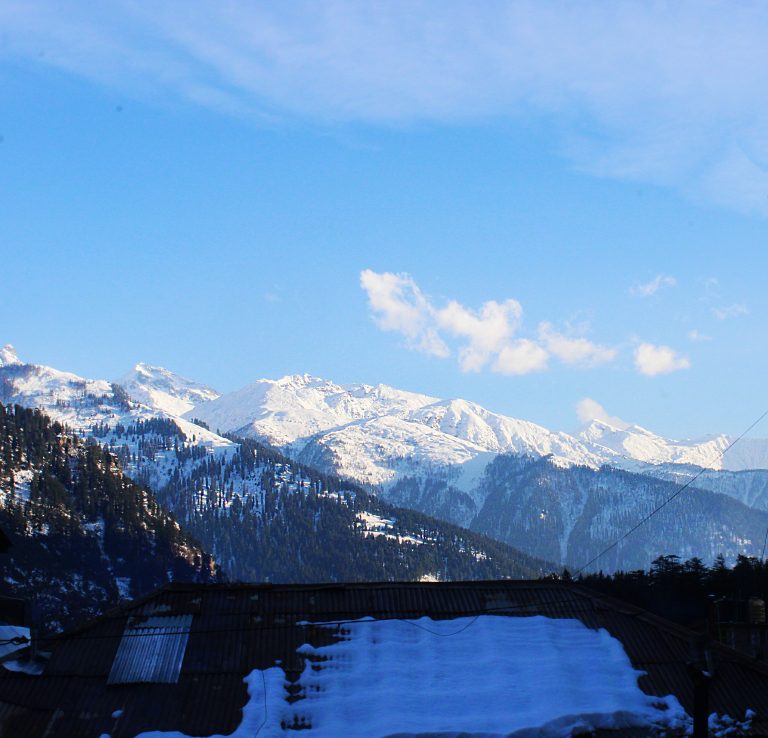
point(526, 205)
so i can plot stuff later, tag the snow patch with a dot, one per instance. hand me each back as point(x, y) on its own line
point(11, 633)
point(492, 676)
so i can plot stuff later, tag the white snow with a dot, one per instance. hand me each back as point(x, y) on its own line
point(429, 578)
point(489, 676)
point(82, 404)
point(161, 389)
point(721, 726)
point(375, 526)
point(638, 444)
point(376, 435)
point(8, 356)
point(372, 434)
point(375, 522)
point(22, 480)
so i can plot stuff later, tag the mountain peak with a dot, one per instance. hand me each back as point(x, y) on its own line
point(302, 380)
point(8, 356)
point(147, 369)
point(161, 389)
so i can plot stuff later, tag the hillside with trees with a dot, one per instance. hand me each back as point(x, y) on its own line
point(83, 535)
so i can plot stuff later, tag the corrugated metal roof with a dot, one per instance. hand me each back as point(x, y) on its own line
point(234, 629)
point(151, 650)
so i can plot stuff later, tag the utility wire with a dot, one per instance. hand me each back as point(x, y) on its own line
point(669, 499)
point(266, 714)
point(16, 641)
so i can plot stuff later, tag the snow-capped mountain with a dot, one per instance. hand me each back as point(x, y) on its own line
point(162, 390)
point(638, 444)
point(8, 355)
point(299, 406)
point(418, 451)
point(139, 433)
point(376, 435)
point(620, 446)
point(83, 534)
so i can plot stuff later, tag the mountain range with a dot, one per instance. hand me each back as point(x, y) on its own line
point(105, 497)
point(373, 432)
point(440, 457)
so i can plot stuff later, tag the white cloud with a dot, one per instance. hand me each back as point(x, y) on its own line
point(521, 357)
point(652, 287)
point(652, 360)
point(483, 336)
point(730, 311)
point(668, 93)
point(574, 350)
point(588, 409)
point(488, 337)
point(487, 331)
point(697, 336)
point(399, 305)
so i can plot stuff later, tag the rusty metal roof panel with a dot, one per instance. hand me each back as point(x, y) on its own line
point(151, 650)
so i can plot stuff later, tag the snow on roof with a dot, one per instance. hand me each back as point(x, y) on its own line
point(487, 675)
point(8, 636)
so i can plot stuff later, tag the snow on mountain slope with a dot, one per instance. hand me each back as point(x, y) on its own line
point(497, 433)
point(162, 390)
point(377, 434)
point(749, 486)
point(64, 396)
point(636, 444)
point(8, 355)
point(373, 434)
point(143, 436)
point(296, 407)
point(378, 450)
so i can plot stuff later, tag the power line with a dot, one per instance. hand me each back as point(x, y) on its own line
point(15, 641)
point(669, 499)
